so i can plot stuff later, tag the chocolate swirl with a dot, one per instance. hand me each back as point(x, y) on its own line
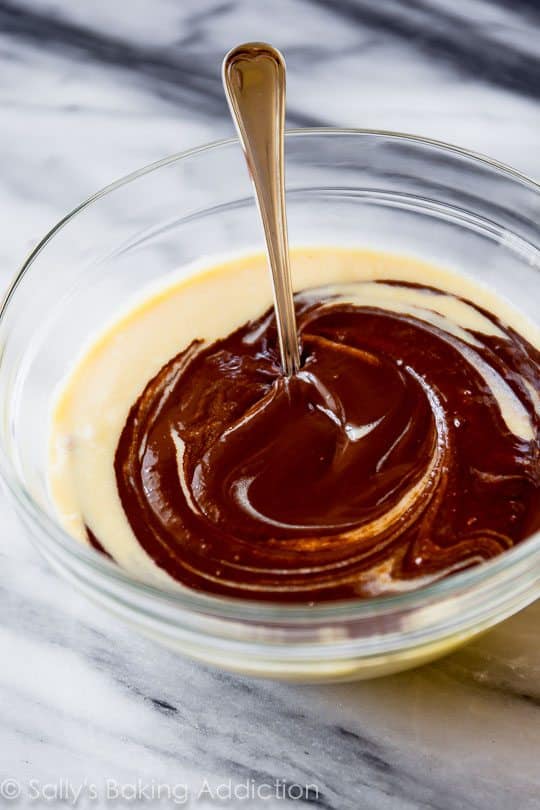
point(405, 449)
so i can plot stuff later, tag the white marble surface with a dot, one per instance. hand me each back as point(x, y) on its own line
point(90, 91)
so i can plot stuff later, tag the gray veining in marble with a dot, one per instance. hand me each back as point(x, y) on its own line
point(90, 91)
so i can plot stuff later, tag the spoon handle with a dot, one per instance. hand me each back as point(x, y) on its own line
point(254, 81)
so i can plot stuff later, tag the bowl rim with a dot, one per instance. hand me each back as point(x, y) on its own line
point(232, 607)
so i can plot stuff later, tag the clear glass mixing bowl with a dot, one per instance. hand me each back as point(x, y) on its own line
point(383, 190)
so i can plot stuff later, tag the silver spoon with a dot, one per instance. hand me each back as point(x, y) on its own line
point(254, 81)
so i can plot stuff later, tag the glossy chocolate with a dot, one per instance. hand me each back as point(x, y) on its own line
point(386, 462)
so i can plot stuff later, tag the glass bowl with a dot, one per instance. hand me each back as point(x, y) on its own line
point(381, 190)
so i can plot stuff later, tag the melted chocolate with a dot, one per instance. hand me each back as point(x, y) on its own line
point(386, 462)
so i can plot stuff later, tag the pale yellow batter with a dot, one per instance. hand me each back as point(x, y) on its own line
point(93, 403)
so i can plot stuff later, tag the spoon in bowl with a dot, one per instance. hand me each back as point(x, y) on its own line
point(254, 82)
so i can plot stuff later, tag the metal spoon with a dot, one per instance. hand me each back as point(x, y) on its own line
point(254, 81)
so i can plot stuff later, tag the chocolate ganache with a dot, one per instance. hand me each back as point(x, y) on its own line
point(406, 448)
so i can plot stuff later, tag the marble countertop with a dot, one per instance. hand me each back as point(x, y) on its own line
point(88, 92)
